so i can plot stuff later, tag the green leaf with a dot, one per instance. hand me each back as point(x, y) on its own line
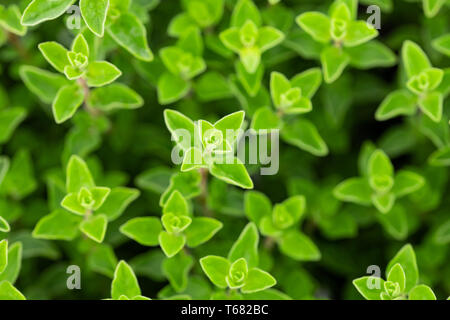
point(44, 84)
point(3, 255)
point(171, 244)
point(4, 225)
point(181, 127)
point(432, 105)
point(134, 42)
point(94, 14)
point(234, 173)
point(245, 10)
point(43, 10)
point(442, 44)
point(201, 230)
point(246, 246)
point(334, 61)
point(400, 102)
point(421, 292)
point(216, 269)
point(268, 294)
point(10, 20)
point(78, 175)
point(102, 260)
point(250, 58)
point(55, 54)
point(72, 204)
point(9, 292)
point(269, 37)
point(115, 96)
point(397, 275)
point(117, 201)
point(442, 233)
point(414, 59)
point(381, 171)
point(299, 247)
point(295, 207)
point(231, 39)
point(395, 222)
point(188, 183)
point(237, 275)
point(234, 121)
point(258, 280)
point(80, 45)
point(101, 73)
point(257, 206)
point(193, 160)
point(370, 55)
point(407, 259)
point(368, 289)
point(265, 119)
point(432, 7)
point(308, 81)
point(125, 282)
point(191, 42)
point(176, 269)
point(174, 224)
point(359, 32)
point(144, 230)
point(279, 85)
point(440, 157)
point(303, 134)
point(95, 227)
point(9, 120)
point(407, 182)
point(67, 101)
point(176, 205)
point(212, 86)
point(356, 190)
point(12, 270)
point(172, 88)
point(59, 225)
point(383, 202)
point(250, 81)
point(4, 167)
point(19, 181)
point(316, 24)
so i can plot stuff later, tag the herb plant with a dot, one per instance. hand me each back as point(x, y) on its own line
point(224, 149)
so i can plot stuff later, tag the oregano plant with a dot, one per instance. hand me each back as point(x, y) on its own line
point(224, 150)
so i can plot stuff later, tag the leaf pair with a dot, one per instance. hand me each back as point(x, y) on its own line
point(10, 20)
point(343, 40)
point(125, 285)
point(239, 270)
point(210, 146)
point(197, 14)
point(290, 97)
point(90, 206)
point(402, 277)
point(75, 64)
point(10, 264)
point(378, 186)
point(176, 228)
point(183, 61)
point(426, 88)
point(280, 222)
point(112, 15)
point(247, 37)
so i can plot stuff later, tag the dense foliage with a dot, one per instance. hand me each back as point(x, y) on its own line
point(119, 177)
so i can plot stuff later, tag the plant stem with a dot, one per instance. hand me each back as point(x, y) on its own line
point(17, 44)
point(269, 243)
point(204, 194)
point(87, 92)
